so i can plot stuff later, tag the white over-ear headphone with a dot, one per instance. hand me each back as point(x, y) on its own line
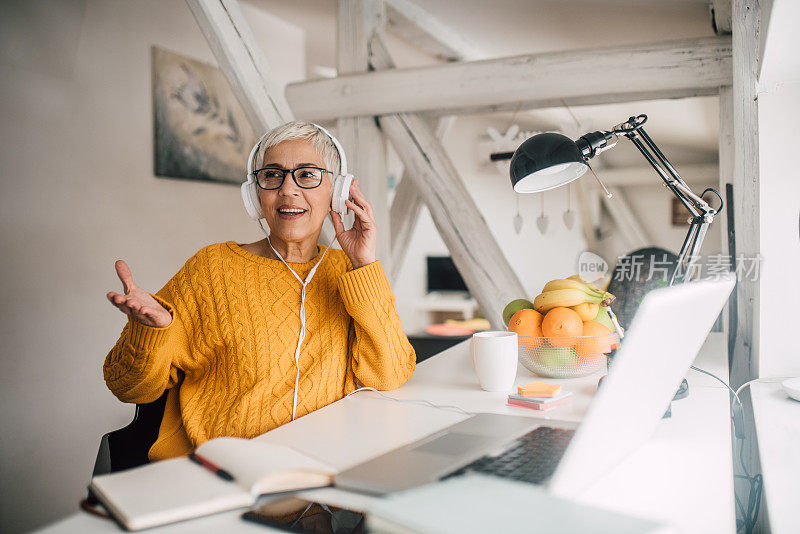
point(341, 184)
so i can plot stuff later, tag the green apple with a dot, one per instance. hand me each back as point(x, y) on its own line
point(513, 307)
point(558, 358)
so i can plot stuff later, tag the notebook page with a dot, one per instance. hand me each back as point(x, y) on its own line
point(263, 467)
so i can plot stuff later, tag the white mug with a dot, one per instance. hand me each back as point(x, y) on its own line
point(495, 355)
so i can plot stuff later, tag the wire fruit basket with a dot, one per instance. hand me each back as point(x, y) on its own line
point(566, 357)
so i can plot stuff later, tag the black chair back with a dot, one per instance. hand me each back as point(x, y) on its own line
point(128, 446)
point(637, 274)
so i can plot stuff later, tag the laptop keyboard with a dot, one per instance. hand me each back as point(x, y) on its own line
point(532, 459)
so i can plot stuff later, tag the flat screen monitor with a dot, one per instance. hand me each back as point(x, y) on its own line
point(443, 275)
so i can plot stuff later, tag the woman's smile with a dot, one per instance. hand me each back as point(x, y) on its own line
point(290, 213)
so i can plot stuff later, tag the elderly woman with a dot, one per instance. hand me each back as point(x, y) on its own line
point(234, 336)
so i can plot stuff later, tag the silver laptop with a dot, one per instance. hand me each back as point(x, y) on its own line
point(667, 332)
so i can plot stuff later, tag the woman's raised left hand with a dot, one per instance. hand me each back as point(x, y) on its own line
point(360, 241)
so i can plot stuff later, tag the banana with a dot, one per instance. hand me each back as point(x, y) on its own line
point(567, 283)
point(588, 284)
point(570, 292)
point(563, 297)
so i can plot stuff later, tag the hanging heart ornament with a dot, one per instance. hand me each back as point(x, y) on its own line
point(569, 219)
point(541, 222)
point(517, 223)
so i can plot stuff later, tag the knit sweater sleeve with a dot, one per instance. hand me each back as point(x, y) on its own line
point(380, 353)
point(147, 360)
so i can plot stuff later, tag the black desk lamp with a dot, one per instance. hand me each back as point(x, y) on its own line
point(550, 160)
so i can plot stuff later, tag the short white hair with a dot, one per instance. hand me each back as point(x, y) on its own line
point(302, 130)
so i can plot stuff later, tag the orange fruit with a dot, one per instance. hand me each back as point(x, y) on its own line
point(526, 323)
point(561, 325)
point(587, 310)
point(600, 342)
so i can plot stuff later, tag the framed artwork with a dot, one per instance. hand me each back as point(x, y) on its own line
point(200, 130)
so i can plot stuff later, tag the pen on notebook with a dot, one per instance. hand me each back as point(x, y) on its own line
point(221, 473)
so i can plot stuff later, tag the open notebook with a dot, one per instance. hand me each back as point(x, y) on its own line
point(177, 489)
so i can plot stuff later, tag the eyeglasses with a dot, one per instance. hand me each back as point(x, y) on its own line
point(271, 178)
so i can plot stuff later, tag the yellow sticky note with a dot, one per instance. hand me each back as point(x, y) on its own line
point(539, 389)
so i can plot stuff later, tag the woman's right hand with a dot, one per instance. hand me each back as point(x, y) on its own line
point(137, 303)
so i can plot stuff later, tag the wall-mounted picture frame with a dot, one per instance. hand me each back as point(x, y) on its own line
point(200, 130)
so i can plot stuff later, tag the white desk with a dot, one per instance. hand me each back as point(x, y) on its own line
point(682, 476)
point(777, 420)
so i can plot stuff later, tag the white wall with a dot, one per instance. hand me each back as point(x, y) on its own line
point(779, 189)
point(78, 192)
point(779, 225)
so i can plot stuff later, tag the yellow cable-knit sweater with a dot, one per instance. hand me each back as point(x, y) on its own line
point(227, 358)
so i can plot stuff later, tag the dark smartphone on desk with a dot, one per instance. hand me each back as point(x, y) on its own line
point(293, 514)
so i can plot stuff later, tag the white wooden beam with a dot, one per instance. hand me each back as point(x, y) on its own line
point(628, 225)
point(358, 21)
point(747, 221)
point(721, 11)
point(420, 28)
point(406, 207)
point(674, 69)
point(746, 21)
point(239, 57)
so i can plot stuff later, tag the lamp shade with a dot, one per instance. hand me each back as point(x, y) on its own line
point(546, 161)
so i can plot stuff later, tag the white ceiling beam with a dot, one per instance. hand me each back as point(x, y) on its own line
point(420, 28)
point(674, 69)
point(721, 11)
point(225, 28)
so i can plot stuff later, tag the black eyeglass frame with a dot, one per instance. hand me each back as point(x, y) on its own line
point(294, 178)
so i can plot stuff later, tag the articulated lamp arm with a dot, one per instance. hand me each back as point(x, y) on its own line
point(702, 213)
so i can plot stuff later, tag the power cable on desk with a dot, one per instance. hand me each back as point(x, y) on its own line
point(712, 375)
point(423, 401)
point(750, 515)
point(756, 481)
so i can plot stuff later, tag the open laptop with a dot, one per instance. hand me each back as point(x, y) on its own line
point(667, 332)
